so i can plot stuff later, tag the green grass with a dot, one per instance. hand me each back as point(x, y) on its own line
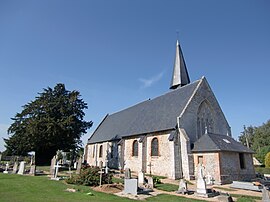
point(167, 187)
point(262, 170)
point(224, 188)
point(245, 199)
point(17, 188)
point(240, 197)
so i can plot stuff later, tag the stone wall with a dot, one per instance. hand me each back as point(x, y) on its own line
point(162, 165)
point(231, 170)
point(210, 161)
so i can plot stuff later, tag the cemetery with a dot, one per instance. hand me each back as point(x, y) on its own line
point(101, 183)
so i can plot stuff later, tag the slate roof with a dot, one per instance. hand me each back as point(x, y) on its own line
point(215, 142)
point(158, 114)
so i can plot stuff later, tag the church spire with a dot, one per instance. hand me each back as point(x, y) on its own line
point(180, 74)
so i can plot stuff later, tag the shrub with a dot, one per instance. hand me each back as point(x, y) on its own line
point(156, 180)
point(89, 176)
point(267, 160)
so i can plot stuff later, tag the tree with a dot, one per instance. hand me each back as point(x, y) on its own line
point(267, 160)
point(53, 121)
point(258, 138)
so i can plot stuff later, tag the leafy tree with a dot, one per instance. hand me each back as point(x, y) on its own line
point(258, 138)
point(267, 160)
point(53, 121)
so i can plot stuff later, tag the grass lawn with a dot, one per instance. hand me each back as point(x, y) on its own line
point(262, 170)
point(17, 188)
point(167, 187)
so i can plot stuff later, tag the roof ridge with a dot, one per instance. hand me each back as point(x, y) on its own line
point(170, 92)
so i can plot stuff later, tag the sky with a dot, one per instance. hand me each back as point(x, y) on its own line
point(119, 53)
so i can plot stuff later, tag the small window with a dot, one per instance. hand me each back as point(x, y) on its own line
point(242, 160)
point(200, 160)
point(100, 151)
point(154, 147)
point(135, 148)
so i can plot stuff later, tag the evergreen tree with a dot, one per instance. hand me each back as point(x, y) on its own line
point(53, 121)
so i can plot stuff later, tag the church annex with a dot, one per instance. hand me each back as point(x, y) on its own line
point(171, 134)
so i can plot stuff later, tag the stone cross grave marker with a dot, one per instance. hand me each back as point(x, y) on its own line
point(141, 178)
point(21, 168)
point(131, 186)
point(100, 177)
point(150, 166)
point(15, 167)
point(79, 166)
point(7, 167)
point(56, 169)
point(127, 173)
point(201, 185)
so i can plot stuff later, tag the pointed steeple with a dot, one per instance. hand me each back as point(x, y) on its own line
point(180, 74)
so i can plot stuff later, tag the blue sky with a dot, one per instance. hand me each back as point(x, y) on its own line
point(119, 53)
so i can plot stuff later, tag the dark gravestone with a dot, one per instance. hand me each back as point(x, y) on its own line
point(127, 173)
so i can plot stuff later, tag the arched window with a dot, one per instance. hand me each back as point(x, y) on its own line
point(135, 148)
point(154, 147)
point(100, 151)
point(205, 121)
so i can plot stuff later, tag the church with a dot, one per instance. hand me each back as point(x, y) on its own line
point(172, 134)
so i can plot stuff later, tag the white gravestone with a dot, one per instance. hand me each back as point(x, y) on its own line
point(79, 166)
point(52, 168)
point(141, 178)
point(150, 183)
point(15, 167)
point(32, 170)
point(22, 168)
point(6, 170)
point(182, 189)
point(56, 168)
point(131, 186)
point(201, 185)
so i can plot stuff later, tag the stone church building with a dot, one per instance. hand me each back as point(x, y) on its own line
point(171, 134)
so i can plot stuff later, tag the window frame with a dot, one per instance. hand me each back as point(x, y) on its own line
point(100, 153)
point(135, 153)
point(155, 151)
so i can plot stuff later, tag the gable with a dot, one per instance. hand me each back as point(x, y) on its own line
point(150, 116)
point(203, 105)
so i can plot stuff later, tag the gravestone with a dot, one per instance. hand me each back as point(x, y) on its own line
point(182, 189)
point(0, 157)
point(245, 185)
point(150, 183)
point(32, 170)
point(131, 186)
point(127, 173)
point(101, 164)
point(15, 167)
point(79, 166)
point(22, 168)
point(56, 168)
point(265, 195)
point(6, 170)
point(141, 178)
point(52, 168)
point(201, 185)
point(100, 177)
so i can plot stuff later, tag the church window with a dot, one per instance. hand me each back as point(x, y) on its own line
point(135, 148)
point(100, 151)
point(242, 161)
point(154, 147)
point(205, 119)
